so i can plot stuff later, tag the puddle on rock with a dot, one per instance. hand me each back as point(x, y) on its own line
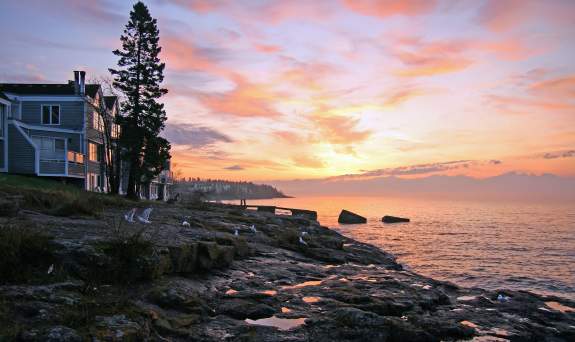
point(231, 292)
point(469, 324)
point(559, 307)
point(304, 284)
point(269, 292)
point(466, 298)
point(285, 310)
point(488, 339)
point(279, 323)
point(311, 300)
point(327, 267)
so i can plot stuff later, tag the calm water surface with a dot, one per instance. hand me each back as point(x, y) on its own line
point(494, 245)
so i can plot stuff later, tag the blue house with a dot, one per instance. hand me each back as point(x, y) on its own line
point(57, 131)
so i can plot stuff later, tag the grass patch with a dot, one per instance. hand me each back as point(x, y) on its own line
point(131, 257)
point(25, 254)
point(54, 198)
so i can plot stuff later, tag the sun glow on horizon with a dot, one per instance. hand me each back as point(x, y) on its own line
point(299, 89)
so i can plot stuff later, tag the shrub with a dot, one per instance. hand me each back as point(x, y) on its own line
point(130, 253)
point(25, 253)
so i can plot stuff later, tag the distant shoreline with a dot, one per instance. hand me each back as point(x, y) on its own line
point(224, 198)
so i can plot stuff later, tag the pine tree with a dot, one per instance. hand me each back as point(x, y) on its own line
point(139, 76)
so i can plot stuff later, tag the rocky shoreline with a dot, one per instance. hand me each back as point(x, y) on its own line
point(203, 282)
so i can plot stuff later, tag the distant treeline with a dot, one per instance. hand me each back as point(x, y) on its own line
point(217, 189)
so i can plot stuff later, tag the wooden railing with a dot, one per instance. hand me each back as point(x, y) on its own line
point(75, 157)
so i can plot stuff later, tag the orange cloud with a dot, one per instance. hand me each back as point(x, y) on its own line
point(400, 96)
point(521, 105)
point(340, 130)
point(498, 15)
point(183, 55)
point(431, 58)
point(245, 100)
point(508, 49)
point(267, 48)
point(308, 162)
point(289, 137)
point(386, 8)
point(273, 12)
point(560, 88)
point(420, 65)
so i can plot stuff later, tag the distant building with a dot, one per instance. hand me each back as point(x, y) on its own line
point(51, 130)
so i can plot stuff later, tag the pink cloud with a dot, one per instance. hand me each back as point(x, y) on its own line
point(341, 130)
point(559, 88)
point(386, 8)
point(245, 100)
point(267, 48)
point(502, 15)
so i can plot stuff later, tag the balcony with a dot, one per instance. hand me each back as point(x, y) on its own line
point(61, 163)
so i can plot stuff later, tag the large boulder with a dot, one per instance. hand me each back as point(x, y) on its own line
point(347, 217)
point(393, 219)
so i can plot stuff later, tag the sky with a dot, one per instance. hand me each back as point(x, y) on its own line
point(280, 90)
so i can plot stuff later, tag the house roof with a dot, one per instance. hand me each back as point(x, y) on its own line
point(110, 101)
point(46, 89)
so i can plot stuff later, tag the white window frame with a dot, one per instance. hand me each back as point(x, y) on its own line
point(59, 115)
point(97, 121)
point(98, 156)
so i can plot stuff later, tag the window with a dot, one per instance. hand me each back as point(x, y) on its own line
point(50, 115)
point(97, 122)
point(115, 131)
point(49, 144)
point(93, 152)
point(50, 148)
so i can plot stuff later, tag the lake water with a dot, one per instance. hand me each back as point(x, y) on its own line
point(494, 245)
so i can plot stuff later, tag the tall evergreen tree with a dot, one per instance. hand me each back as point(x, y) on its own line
point(139, 76)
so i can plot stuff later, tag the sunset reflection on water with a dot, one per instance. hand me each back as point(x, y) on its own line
point(528, 246)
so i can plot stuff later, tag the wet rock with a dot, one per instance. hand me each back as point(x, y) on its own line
point(393, 219)
point(176, 298)
point(54, 334)
point(355, 317)
point(211, 255)
point(345, 290)
point(118, 328)
point(242, 309)
point(347, 217)
point(184, 258)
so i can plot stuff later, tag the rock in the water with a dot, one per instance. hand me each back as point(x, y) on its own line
point(347, 217)
point(393, 219)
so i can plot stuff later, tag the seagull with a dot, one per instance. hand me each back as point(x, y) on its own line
point(302, 241)
point(129, 216)
point(51, 269)
point(502, 298)
point(236, 233)
point(145, 216)
point(253, 228)
point(185, 224)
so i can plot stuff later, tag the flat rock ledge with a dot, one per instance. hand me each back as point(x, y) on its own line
point(204, 283)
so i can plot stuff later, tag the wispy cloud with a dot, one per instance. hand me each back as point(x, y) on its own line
point(234, 168)
point(194, 135)
point(420, 169)
point(387, 8)
point(560, 154)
